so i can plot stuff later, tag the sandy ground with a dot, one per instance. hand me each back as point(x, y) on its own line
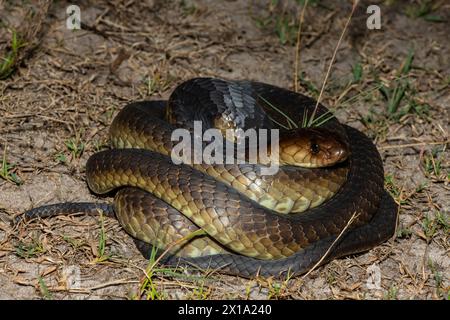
point(57, 105)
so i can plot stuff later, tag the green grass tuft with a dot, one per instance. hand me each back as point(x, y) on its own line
point(7, 171)
point(29, 250)
point(392, 293)
point(357, 72)
point(306, 123)
point(9, 62)
point(75, 146)
point(398, 88)
point(424, 9)
point(101, 249)
point(46, 294)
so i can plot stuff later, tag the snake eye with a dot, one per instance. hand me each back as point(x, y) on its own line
point(315, 148)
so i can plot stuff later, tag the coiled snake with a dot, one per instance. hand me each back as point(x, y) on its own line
point(242, 213)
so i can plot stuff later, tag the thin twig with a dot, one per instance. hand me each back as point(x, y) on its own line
point(297, 46)
point(111, 283)
point(355, 3)
point(407, 145)
point(173, 244)
point(350, 221)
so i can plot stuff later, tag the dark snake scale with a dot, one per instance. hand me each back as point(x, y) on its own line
point(243, 215)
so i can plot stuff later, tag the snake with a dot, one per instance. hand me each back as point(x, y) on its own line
point(327, 199)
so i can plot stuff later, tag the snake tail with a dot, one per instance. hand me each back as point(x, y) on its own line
point(58, 209)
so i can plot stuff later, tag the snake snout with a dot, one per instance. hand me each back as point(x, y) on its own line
point(337, 153)
point(334, 151)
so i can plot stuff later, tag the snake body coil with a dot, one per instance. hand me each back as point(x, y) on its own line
point(239, 210)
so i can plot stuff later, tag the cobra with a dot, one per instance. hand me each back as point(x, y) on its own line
point(252, 224)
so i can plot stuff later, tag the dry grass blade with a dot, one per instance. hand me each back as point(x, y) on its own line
point(111, 283)
point(290, 122)
point(199, 232)
point(297, 46)
point(417, 144)
point(355, 4)
point(350, 221)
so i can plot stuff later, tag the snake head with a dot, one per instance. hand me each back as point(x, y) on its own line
point(312, 148)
